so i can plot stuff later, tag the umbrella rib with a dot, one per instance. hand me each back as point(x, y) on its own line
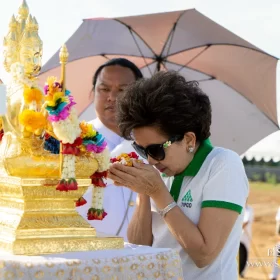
point(139, 49)
point(171, 33)
point(130, 29)
point(221, 44)
point(177, 64)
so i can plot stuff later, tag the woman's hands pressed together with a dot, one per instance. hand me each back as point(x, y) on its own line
point(141, 178)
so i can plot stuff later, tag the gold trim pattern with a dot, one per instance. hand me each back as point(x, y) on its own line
point(35, 218)
point(60, 245)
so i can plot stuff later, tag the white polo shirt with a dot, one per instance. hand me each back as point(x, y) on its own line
point(215, 178)
point(116, 199)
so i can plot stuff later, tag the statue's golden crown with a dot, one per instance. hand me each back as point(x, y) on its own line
point(22, 36)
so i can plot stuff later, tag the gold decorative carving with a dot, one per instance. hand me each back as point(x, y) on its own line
point(60, 245)
point(22, 154)
point(41, 220)
point(35, 218)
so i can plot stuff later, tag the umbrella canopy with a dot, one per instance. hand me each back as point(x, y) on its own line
point(239, 78)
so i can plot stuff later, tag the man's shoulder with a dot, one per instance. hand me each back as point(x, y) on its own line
point(96, 123)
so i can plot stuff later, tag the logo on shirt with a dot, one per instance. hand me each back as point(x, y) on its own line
point(187, 200)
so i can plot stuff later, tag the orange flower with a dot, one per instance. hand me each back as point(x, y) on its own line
point(87, 130)
point(32, 94)
point(32, 120)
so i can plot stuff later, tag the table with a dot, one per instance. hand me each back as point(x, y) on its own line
point(131, 263)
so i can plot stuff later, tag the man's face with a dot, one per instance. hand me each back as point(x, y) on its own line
point(111, 81)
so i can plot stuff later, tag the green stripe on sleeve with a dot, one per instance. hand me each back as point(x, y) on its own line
point(222, 204)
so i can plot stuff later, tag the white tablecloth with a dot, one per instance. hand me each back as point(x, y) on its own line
point(133, 262)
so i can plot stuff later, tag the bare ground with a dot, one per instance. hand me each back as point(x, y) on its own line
point(265, 200)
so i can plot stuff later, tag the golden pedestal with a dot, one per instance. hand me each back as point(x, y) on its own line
point(37, 219)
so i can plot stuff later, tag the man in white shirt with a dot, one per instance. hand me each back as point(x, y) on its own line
point(246, 238)
point(109, 80)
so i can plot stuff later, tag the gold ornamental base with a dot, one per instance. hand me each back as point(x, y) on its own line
point(37, 219)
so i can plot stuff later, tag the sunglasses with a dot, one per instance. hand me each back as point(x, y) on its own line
point(156, 151)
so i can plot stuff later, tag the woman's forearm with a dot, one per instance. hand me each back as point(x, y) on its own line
point(140, 228)
point(201, 246)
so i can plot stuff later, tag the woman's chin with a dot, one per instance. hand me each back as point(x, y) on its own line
point(168, 173)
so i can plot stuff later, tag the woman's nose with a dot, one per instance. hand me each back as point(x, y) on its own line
point(152, 161)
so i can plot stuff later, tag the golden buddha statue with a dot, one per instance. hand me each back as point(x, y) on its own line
point(22, 152)
point(39, 188)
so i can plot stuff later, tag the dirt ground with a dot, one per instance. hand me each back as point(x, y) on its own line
point(265, 200)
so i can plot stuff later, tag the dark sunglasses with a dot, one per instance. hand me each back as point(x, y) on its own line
point(156, 151)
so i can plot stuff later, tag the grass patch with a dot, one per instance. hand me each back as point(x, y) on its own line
point(264, 186)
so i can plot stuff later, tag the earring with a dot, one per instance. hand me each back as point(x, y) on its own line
point(191, 149)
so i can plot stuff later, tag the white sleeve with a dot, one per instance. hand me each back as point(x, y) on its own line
point(227, 185)
point(246, 216)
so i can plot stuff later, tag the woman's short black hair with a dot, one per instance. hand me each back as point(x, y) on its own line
point(166, 101)
point(120, 62)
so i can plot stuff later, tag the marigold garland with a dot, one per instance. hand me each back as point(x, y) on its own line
point(32, 120)
point(32, 95)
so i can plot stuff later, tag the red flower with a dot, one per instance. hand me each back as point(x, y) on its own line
point(72, 184)
point(62, 186)
point(77, 151)
point(133, 155)
point(96, 214)
point(98, 182)
point(47, 136)
point(1, 134)
point(99, 174)
point(80, 202)
point(72, 149)
point(112, 160)
point(97, 179)
point(78, 142)
point(69, 149)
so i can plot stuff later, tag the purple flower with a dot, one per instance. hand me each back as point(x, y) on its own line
point(96, 149)
point(46, 89)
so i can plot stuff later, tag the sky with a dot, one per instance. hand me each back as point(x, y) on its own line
point(256, 21)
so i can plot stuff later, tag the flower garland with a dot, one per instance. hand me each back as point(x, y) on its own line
point(93, 142)
point(1, 130)
point(64, 119)
point(75, 139)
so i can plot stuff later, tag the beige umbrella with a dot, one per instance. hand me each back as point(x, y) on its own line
point(239, 77)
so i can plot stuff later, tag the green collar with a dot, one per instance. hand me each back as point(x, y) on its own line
point(192, 169)
point(201, 154)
